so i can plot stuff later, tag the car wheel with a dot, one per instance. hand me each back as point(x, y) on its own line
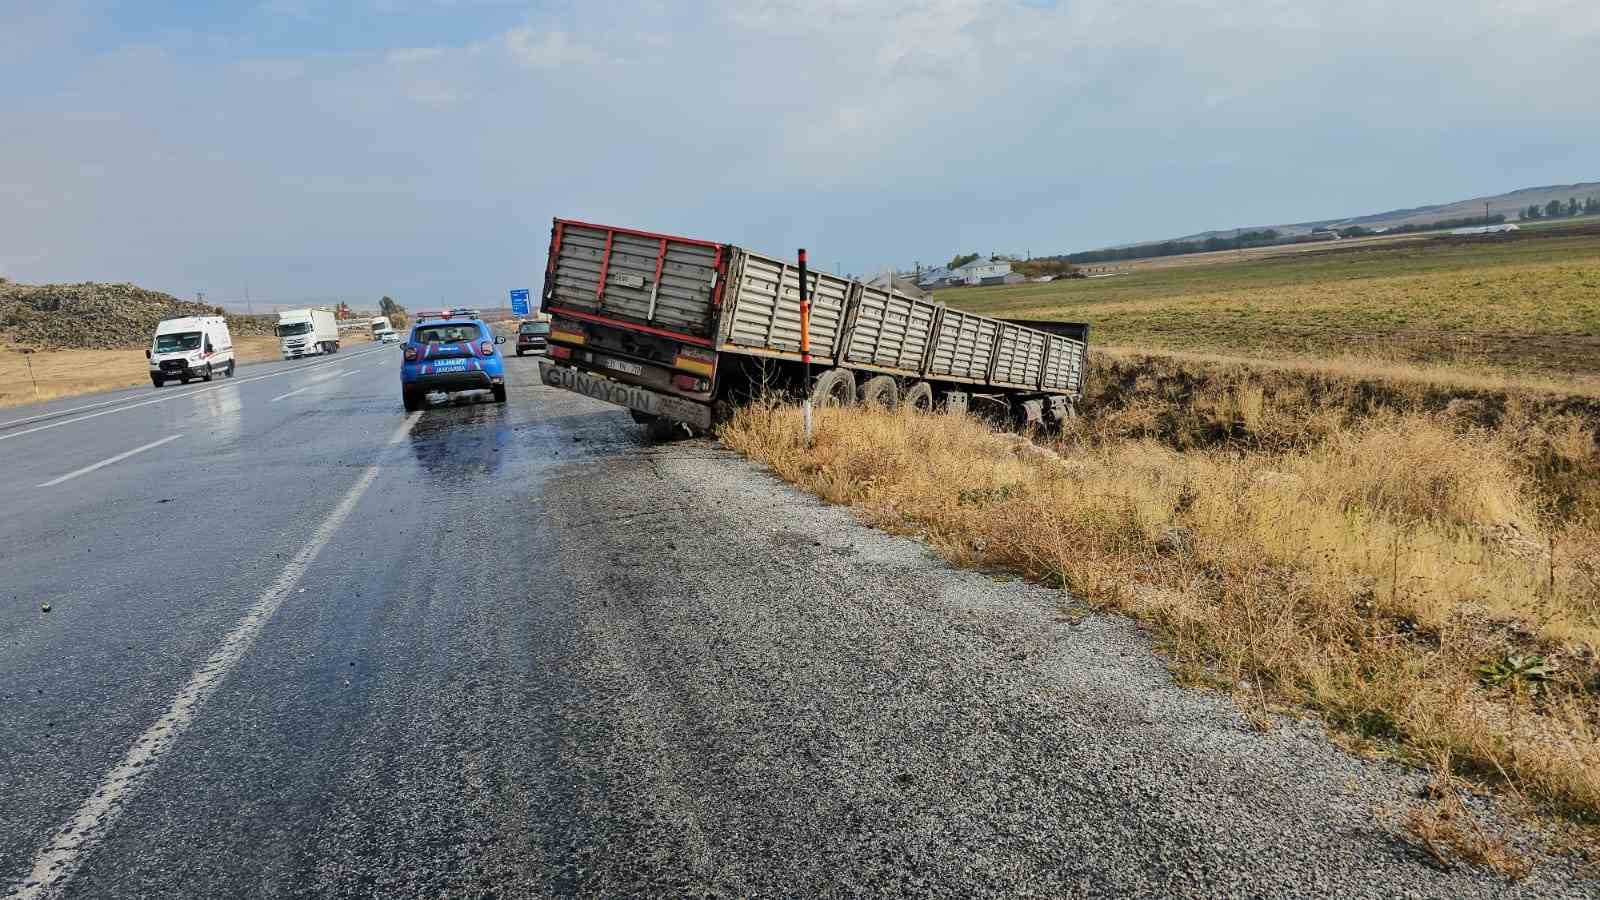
point(231, 364)
point(206, 375)
point(519, 352)
point(184, 380)
point(157, 380)
point(412, 400)
point(499, 392)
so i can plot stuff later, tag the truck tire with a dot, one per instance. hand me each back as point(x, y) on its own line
point(920, 397)
point(499, 392)
point(881, 391)
point(666, 430)
point(412, 400)
point(158, 381)
point(835, 387)
point(206, 375)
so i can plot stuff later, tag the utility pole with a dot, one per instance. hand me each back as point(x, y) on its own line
point(248, 309)
point(1485, 212)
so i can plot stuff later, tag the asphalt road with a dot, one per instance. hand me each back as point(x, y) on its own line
point(300, 643)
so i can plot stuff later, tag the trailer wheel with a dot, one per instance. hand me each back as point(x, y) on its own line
point(881, 390)
point(920, 397)
point(835, 387)
point(641, 418)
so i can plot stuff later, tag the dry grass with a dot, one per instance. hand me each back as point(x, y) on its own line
point(66, 373)
point(1449, 831)
point(1387, 569)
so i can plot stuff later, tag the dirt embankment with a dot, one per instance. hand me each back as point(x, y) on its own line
point(103, 316)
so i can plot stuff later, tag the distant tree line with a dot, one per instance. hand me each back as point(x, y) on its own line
point(1261, 238)
point(1441, 225)
point(1555, 209)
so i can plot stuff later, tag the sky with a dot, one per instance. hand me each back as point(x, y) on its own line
point(319, 150)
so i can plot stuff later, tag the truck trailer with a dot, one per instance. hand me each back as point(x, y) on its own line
point(682, 330)
point(307, 332)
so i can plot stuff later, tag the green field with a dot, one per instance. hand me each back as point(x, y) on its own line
point(1527, 303)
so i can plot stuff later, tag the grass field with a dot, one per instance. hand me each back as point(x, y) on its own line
point(1524, 304)
point(66, 373)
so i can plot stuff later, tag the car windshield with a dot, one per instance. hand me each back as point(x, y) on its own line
point(177, 341)
point(293, 328)
point(535, 327)
point(445, 333)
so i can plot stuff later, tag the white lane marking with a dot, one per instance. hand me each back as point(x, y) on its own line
point(314, 382)
point(56, 863)
point(292, 393)
point(236, 383)
point(115, 459)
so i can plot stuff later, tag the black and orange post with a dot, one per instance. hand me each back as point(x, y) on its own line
point(805, 342)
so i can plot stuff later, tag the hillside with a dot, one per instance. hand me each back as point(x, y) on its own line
point(1507, 204)
point(61, 316)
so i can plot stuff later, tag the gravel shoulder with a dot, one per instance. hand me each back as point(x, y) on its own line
point(788, 702)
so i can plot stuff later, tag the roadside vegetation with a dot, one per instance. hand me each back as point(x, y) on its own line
point(1415, 561)
point(31, 377)
point(1519, 304)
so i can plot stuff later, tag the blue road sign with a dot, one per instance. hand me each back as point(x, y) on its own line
point(519, 301)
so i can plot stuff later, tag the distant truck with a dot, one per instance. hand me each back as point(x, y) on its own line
point(383, 330)
point(190, 347)
point(307, 332)
point(533, 334)
point(679, 329)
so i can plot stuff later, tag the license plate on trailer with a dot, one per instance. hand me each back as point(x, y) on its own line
point(620, 366)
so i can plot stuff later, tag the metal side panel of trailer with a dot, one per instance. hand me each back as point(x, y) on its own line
point(1018, 357)
point(889, 332)
point(1063, 368)
point(964, 347)
point(763, 312)
point(658, 281)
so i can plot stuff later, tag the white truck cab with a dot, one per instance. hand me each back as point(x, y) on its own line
point(307, 332)
point(383, 331)
point(190, 347)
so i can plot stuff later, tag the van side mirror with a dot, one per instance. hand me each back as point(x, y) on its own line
point(147, 353)
point(499, 339)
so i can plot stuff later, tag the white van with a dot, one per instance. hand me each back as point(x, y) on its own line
point(190, 347)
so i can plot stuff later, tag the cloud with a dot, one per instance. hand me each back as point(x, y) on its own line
point(870, 130)
point(548, 48)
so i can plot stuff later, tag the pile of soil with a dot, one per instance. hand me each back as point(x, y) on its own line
point(93, 315)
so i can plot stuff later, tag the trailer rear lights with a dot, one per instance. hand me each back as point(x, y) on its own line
point(695, 361)
point(691, 383)
point(557, 352)
point(571, 337)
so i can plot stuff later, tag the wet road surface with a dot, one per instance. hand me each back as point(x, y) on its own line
point(303, 644)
